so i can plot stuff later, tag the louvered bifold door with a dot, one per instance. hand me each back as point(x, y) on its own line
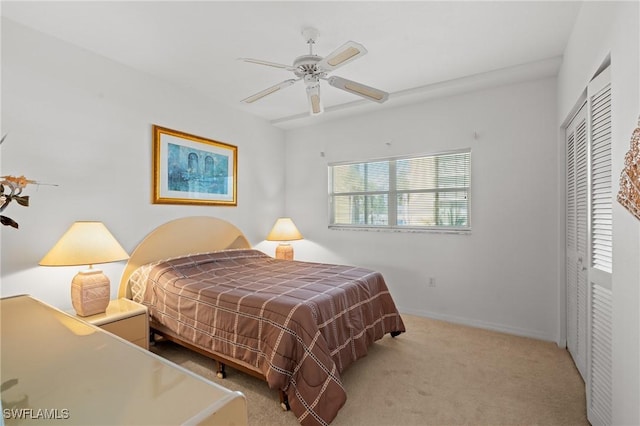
point(576, 238)
point(599, 391)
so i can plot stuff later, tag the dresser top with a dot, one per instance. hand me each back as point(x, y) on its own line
point(53, 361)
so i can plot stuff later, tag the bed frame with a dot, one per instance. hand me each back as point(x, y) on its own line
point(198, 234)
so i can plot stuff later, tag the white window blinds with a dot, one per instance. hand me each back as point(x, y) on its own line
point(422, 192)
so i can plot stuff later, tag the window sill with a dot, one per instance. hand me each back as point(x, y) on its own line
point(460, 231)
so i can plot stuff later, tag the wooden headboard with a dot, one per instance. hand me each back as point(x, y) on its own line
point(198, 234)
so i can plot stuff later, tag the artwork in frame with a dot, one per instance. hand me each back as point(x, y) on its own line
point(189, 169)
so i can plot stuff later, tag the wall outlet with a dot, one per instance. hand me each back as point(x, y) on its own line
point(432, 282)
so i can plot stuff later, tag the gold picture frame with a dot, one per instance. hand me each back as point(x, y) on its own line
point(190, 169)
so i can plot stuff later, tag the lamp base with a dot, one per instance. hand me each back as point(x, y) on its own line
point(284, 252)
point(90, 292)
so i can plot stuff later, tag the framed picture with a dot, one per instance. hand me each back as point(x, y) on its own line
point(189, 169)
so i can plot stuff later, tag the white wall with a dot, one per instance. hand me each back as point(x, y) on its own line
point(83, 122)
point(601, 29)
point(504, 275)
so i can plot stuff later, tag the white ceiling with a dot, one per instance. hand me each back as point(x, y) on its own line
point(412, 46)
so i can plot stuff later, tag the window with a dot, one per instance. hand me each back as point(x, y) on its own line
point(420, 192)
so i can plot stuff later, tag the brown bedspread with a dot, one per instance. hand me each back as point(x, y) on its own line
point(300, 324)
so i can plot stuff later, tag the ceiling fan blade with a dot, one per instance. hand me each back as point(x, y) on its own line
point(315, 104)
point(359, 89)
point(267, 63)
point(342, 56)
point(269, 91)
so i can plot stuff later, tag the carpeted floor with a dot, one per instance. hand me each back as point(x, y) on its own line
point(435, 374)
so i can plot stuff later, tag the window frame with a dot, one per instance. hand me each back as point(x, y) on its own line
point(392, 194)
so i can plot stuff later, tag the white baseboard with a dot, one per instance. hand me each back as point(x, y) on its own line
point(480, 324)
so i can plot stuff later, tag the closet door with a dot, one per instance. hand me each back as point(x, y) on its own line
point(576, 238)
point(589, 261)
point(599, 391)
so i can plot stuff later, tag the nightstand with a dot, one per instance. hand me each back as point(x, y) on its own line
point(124, 318)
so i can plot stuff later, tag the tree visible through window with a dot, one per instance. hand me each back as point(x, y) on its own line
point(426, 192)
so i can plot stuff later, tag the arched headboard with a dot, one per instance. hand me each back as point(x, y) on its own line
point(179, 237)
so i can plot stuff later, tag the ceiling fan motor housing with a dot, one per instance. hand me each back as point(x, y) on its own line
point(306, 65)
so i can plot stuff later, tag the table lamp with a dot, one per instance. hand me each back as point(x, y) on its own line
point(87, 243)
point(284, 230)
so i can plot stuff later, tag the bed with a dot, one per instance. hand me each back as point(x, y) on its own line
point(296, 325)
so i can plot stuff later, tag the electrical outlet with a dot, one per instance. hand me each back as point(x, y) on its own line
point(432, 282)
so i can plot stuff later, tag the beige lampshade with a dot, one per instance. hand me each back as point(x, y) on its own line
point(85, 243)
point(284, 230)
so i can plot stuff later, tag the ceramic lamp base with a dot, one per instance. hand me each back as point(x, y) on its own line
point(284, 252)
point(90, 292)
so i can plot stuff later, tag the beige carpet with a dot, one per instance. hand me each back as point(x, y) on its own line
point(435, 374)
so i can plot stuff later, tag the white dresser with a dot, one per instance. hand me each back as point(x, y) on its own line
point(57, 369)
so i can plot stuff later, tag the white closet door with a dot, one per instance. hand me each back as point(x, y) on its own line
point(599, 391)
point(577, 233)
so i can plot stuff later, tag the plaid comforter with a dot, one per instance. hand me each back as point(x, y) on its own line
point(299, 323)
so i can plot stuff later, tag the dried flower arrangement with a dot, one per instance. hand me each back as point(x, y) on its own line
point(629, 194)
point(14, 185)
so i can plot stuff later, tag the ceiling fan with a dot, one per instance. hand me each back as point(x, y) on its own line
point(313, 68)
